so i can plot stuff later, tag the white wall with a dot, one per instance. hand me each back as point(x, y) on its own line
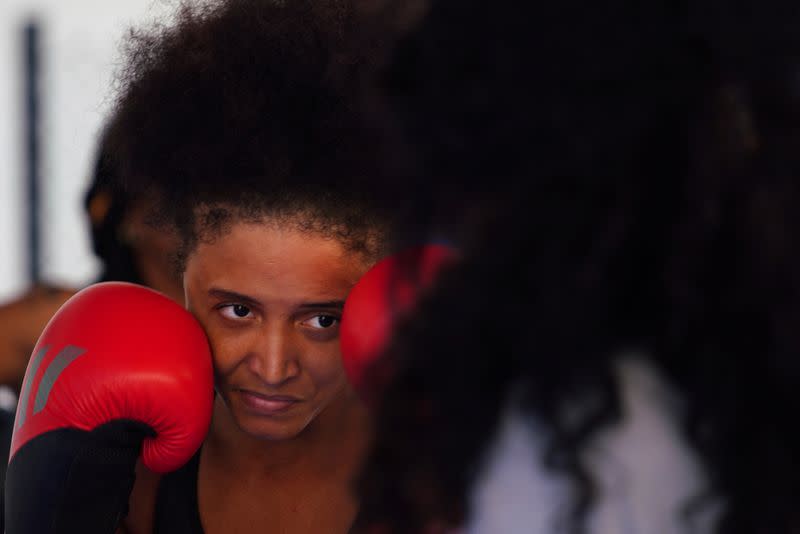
point(79, 50)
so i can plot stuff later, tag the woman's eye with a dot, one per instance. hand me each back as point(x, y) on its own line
point(322, 321)
point(235, 311)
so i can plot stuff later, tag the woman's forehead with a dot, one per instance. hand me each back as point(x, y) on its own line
point(356, 235)
point(253, 256)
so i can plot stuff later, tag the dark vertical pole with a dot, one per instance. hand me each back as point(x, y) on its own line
point(31, 66)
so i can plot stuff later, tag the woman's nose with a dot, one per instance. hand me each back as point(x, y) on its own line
point(275, 358)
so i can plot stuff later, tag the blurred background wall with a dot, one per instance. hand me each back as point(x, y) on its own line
point(78, 50)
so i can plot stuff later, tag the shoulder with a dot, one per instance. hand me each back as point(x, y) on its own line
point(643, 468)
point(514, 492)
point(142, 503)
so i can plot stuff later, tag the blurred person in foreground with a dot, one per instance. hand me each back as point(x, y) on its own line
point(129, 248)
point(617, 352)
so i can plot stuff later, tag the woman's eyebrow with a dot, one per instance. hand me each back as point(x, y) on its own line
point(335, 304)
point(225, 294)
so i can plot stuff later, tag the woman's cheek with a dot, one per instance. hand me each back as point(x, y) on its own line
point(226, 350)
point(325, 366)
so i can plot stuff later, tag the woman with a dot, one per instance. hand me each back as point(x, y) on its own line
point(617, 351)
point(241, 116)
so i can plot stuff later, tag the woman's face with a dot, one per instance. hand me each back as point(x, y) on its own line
point(270, 299)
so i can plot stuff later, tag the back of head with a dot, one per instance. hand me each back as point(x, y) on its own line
point(106, 207)
point(632, 169)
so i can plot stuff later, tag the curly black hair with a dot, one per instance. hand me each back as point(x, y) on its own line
point(620, 175)
point(242, 109)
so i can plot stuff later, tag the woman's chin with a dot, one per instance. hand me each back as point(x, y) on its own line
point(272, 430)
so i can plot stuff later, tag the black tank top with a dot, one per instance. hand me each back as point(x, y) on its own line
point(177, 511)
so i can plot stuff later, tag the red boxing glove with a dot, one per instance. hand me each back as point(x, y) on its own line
point(386, 293)
point(119, 370)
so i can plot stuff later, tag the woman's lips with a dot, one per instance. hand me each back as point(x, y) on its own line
point(267, 404)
